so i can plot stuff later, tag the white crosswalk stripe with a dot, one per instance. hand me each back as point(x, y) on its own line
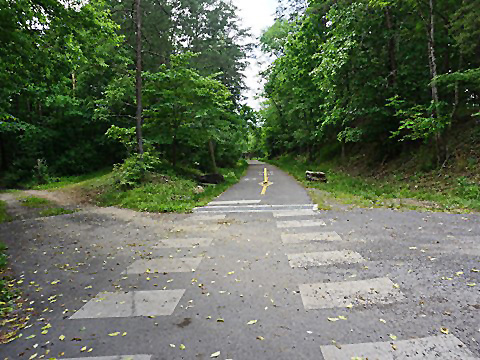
point(299, 223)
point(207, 217)
point(170, 265)
point(114, 357)
point(306, 237)
point(341, 294)
point(291, 213)
point(183, 242)
point(324, 258)
point(444, 347)
point(234, 202)
point(130, 304)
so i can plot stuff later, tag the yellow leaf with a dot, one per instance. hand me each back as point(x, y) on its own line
point(393, 337)
point(396, 286)
point(252, 322)
point(350, 306)
point(220, 320)
point(215, 354)
point(61, 337)
point(341, 317)
point(83, 349)
point(260, 338)
point(383, 321)
point(471, 284)
point(124, 334)
point(182, 347)
point(444, 330)
point(114, 334)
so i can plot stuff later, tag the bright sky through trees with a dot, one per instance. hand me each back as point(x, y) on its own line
point(257, 15)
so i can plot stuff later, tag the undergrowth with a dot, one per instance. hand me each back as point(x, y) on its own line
point(432, 191)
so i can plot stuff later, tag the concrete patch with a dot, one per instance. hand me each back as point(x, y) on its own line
point(288, 213)
point(233, 202)
point(115, 357)
point(446, 347)
point(305, 237)
point(164, 265)
point(340, 294)
point(183, 243)
point(134, 303)
point(324, 258)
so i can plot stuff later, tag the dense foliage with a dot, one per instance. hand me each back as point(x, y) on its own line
point(383, 74)
point(67, 100)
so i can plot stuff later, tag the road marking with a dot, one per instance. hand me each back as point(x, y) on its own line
point(206, 217)
point(115, 357)
point(173, 265)
point(233, 202)
point(183, 243)
point(134, 303)
point(299, 223)
point(324, 258)
point(252, 208)
point(305, 237)
point(289, 213)
point(265, 183)
point(442, 347)
point(340, 294)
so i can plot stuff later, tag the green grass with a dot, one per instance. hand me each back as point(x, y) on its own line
point(4, 217)
point(65, 181)
point(34, 202)
point(178, 194)
point(431, 192)
point(55, 211)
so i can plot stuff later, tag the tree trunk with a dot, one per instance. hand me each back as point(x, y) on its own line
point(212, 155)
point(431, 54)
point(138, 77)
point(392, 56)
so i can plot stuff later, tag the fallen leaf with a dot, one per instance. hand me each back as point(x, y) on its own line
point(61, 337)
point(215, 354)
point(444, 330)
point(333, 319)
point(83, 349)
point(393, 337)
point(252, 322)
point(383, 321)
point(220, 320)
point(172, 345)
point(341, 317)
point(260, 338)
point(182, 347)
point(471, 284)
point(114, 334)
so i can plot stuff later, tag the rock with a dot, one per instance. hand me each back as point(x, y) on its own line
point(316, 176)
point(199, 190)
point(211, 179)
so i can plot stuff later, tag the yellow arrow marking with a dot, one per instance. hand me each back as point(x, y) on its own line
point(265, 183)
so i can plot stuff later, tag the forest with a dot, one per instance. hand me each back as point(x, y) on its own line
point(86, 84)
point(376, 78)
point(157, 87)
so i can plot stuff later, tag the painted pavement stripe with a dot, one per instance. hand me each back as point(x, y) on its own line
point(324, 258)
point(182, 243)
point(115, 357)
point(249, 208)
point(134, 303)
point(341, 294)
point(204, 217)
point(172, 265)
point(299, 223)
point(289, 213)
point(315, 236)
point(233, 202)
point(444, 347)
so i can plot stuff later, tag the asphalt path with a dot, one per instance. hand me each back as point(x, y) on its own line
point(249, 276)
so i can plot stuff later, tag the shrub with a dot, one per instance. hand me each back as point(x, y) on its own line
point(135, 169)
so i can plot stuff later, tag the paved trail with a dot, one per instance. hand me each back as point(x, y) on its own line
point(250, 276)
